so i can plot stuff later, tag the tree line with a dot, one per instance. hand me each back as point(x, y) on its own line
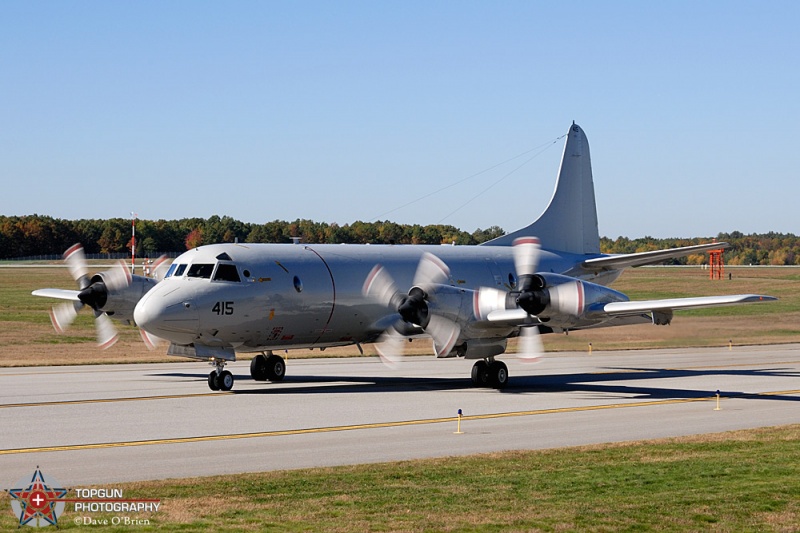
point(752, 249)
point(36, 235)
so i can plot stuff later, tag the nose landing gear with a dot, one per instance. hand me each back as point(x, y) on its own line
point(219, 378)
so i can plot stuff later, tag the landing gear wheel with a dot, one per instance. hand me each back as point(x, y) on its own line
point(225, 380)
point(480, 374)
point(258, 367)
point(498, 374)
point(212, 380)
point(275, 368)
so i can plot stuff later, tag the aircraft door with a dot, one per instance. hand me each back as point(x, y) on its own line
point(299, 300)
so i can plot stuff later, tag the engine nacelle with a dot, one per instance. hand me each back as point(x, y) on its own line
point(562, 301)
point(450, 302)
point(119, 303)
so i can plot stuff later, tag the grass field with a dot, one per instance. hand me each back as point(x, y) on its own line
point(738, 481)
point(27, 338)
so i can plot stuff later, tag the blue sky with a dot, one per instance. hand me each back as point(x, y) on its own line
point(344, 111)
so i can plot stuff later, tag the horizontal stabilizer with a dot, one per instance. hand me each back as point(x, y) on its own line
point(61, 294)
point(614, 262)
point(644, 306)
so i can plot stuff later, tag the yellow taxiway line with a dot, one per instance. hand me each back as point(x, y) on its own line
point(306, 431)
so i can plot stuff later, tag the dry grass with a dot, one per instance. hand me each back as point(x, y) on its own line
point(27, 338)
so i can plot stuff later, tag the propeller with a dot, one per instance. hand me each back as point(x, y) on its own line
point(160, 267)
point(151, 341)
point(526, 259)
point(531, 296)
point(413, 307)
point(93, 292)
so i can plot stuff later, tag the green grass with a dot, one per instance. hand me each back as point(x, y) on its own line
point(741, 481)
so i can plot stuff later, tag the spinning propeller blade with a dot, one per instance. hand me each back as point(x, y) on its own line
point(91, 293)
point(62, 315)
point(412, 307)
point(530, 348)
point(106, 332)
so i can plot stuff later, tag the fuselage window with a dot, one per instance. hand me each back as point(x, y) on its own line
point(172, 268)
point(180, 270)
point(226, 272)
point(200, 270)
point(512, 280)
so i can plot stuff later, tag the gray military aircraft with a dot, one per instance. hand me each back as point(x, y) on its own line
point(550, 276)
point(219, 300)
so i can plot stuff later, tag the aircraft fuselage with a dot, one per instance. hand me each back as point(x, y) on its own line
point(301, 296)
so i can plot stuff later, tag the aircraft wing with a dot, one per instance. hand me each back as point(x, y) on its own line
point(657, 311)
point(61, 294)
point(672, 304)
point(613, 262)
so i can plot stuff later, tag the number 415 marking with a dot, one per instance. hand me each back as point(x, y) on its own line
point(223, 308)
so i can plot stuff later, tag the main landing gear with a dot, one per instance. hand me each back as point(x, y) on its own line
point(267, 366)
point(220, 379)
point(263, 367)
point(490, 373)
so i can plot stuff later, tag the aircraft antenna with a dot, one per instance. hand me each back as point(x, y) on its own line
point(542, 147)
point(459, 208)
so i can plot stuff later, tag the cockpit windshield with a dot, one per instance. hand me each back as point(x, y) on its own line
point(171, 269)
point(180, 270)
point(200, 270)
point(226, 272)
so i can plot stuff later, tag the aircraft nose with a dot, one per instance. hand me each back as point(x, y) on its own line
point(171, 315)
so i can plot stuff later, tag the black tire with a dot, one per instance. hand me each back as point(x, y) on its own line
point(225, 380)
point(258, 367)
point(275, 368)
point(498, 374)
point(212, 381)
point(480, 374)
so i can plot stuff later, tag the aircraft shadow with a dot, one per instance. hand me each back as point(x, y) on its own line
point(615, 384)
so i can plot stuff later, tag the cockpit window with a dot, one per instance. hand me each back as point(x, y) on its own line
point(180, 270)
point(226, 272)
point(172, 268)
point(200, 270)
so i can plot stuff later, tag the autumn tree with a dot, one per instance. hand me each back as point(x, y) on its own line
point(194, 238)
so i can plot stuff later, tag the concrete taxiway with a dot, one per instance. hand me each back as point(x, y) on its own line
point(97, 425)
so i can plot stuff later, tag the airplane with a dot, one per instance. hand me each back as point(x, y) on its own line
point(110, 293)
point(219, 300)
point(549, 277)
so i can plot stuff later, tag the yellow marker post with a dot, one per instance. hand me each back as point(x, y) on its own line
point(458, 431)
point(718, 408)
point(730, 345)
point(590, 348)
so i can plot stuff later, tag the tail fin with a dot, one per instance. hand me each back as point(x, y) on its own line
point(569, 224)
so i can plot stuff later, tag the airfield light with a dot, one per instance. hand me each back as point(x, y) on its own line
point(458, 430)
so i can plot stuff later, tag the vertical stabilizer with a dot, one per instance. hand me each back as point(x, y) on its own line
point(569, 224)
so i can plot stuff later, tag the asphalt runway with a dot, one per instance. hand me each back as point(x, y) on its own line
point(99, 425)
